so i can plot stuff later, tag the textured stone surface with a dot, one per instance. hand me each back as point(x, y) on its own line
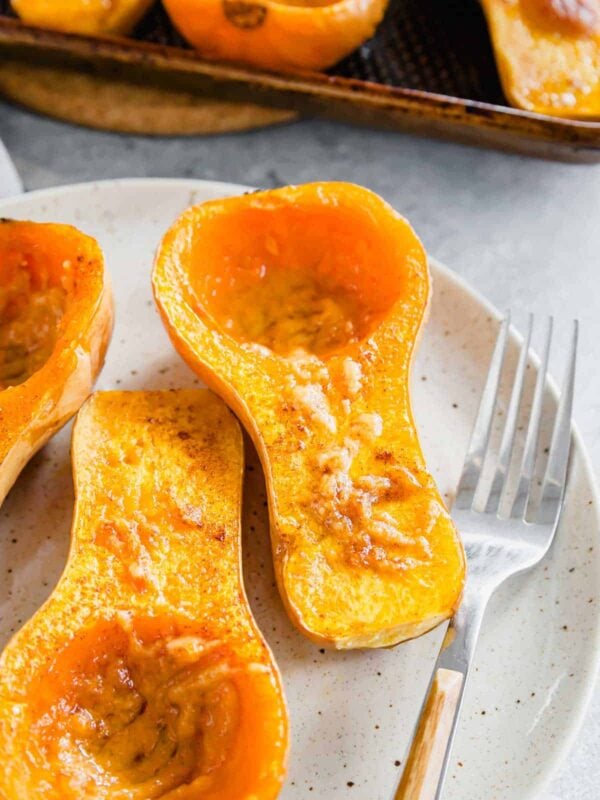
point(525, 233)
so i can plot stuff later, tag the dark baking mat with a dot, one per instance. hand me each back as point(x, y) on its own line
point(439, 46)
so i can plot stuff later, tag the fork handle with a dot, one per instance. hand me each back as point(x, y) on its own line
point(422, 772)
point(425, 767)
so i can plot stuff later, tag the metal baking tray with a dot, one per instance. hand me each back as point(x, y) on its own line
point(429, 69)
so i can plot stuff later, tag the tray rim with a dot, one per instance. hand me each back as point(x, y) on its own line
point(316, 93)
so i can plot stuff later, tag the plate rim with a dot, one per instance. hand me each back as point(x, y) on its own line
point(584, 696)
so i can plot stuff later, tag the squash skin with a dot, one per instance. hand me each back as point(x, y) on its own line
point(548, 54)
point(32, 411)
point(274, 34)
point(153, 587)
point(91, 17)
point(357, 588)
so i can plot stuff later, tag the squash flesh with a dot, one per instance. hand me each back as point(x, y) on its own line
point(56, 312)
point(28, 327)
point(365, 552)
point(83, 16)
point(292, 279)
point(276, 34)
point(144, 675)
point(548, 54)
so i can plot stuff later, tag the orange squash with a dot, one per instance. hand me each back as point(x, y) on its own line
point(144, 675)
point(301, 307)
point(91, 17)
point(277, 34)
point(548, 54)
point(55, 324)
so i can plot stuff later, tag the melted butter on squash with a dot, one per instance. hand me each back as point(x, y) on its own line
point(143, 713)
point(372, 519)
point(287, 310)
point(127, 543)
point(290, 284)
point(353, 376)
point(29, 320)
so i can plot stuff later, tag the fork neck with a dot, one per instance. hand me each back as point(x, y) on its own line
point(463, 631)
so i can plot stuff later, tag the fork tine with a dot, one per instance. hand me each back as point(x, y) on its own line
point(480, 437)
point(556, 469)
point(507, 443)
point(533, 431)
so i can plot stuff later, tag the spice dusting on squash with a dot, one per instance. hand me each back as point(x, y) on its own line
point(277, 34)
point(548, 54)
point(144, 675)
point(365, 552)
point(55, 324)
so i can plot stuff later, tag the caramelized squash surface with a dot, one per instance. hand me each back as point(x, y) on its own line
point(144, 675)
point(301, 307)
point(277, 34)
point(548, 54)
point(55, 324)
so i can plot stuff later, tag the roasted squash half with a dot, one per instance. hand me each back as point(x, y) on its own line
point(91, 17)
point(277, 34)
point(144, 675)
point(55, 324)
point(301, 307)
point(548, 54)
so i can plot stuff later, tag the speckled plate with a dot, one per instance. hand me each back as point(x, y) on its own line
point(352, 713)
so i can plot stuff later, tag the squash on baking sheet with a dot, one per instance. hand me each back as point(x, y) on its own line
point(55, 325)
point(144, 675)
point(277, 34)
point(83, 16)
point(548, 54)
point(301, 307)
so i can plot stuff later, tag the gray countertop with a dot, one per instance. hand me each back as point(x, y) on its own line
point(525, 233)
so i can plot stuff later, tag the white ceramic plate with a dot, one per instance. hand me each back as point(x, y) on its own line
point(352, 713)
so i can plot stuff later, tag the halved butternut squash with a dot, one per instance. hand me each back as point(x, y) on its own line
point(90, 17)
point(277, 34)
point(55, 325)
point(301, 307)
point(144, 675)
point(548, 54)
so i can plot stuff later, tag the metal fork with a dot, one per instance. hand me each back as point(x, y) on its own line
point(497, 544)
